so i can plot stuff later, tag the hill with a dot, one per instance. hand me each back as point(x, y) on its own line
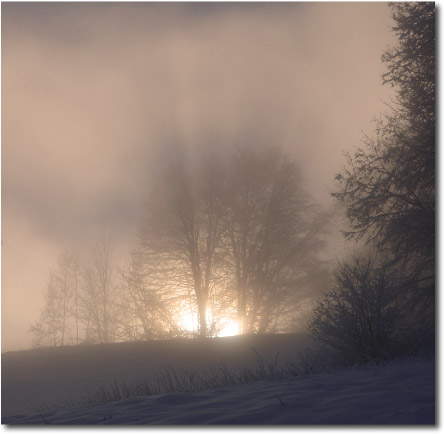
point(50, 376)
point(397, 393)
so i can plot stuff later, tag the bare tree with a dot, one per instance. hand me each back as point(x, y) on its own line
point(47, 331)
point(82, 300)
point(146, 305)
point(362, 314)
point(63, 281)
point(99, 292)
point(60, 300)
point(184, 228)
point(76, 281)
point(273, 230)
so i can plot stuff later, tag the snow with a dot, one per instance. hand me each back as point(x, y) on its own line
point(53, 375)
point(394, 393)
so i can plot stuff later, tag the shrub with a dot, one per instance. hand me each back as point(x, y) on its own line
point(361, 314)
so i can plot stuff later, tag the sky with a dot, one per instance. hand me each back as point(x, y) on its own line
point(95, 96)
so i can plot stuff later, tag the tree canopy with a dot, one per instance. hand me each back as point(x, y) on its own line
point(388, 186)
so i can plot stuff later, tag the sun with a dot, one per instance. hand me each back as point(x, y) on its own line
point(189, 322)
point(230, 328)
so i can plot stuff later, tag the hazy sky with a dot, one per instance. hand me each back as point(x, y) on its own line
point(95, 95)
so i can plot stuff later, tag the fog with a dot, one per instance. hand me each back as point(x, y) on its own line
point(95, 97)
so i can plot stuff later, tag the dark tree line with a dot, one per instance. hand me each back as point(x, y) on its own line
point(388, 191)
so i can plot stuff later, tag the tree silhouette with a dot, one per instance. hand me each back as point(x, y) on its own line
point(388, 186)
point(54, 325)
point(47, 331)
point(99, 299)
point(183, 230)
point(273, 230)
point(360, 315)
point(233, 233)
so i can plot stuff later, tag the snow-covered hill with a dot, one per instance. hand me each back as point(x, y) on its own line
point(394, 393)
point(52, 375)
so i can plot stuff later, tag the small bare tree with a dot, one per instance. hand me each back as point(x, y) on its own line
point(48, 330)
point(99, 292)
point(55, 321)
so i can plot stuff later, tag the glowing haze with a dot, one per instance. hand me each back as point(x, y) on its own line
point(94, 96)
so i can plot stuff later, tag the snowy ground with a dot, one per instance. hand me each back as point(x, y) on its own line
point(50, 376)
point(397, 393)
point(378, 395)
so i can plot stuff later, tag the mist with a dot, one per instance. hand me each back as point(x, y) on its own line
point(218, 213)
point(97, 97)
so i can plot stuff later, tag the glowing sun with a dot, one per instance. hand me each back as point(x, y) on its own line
point(228, 327)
